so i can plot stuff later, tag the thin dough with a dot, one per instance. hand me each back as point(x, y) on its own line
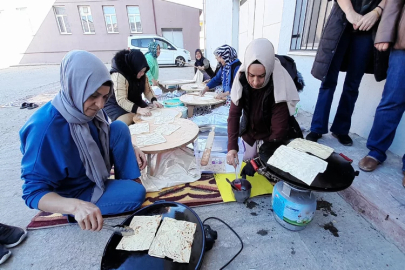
point(314, 148)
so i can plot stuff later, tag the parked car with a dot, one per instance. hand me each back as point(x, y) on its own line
point(169, 53)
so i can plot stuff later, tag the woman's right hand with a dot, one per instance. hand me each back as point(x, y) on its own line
point(88, 216)
point(232, 158)
point(202, 93)
point(353, 17)
point(143, 111)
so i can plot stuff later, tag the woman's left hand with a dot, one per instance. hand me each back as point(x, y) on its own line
point(157, 104)
point(367, 21)
point(141, 158)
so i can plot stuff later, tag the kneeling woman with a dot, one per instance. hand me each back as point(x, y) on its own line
point(265, 93)
point(69, 147)
point(128, 70)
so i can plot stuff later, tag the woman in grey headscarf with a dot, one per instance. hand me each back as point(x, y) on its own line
point(69, 147)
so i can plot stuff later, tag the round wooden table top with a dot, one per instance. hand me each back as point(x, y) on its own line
point(186, 134)
point(192, 87)
point(176, 82)
point(139, 118)
point(195, 100)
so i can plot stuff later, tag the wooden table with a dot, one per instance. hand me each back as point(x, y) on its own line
point(138, 118)
point(186, 134)
point(192, 87)
point(176, 82)
point(192, 101)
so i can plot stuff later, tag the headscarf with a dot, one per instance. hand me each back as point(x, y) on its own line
point(262, 50)
point(152, 48)
point(229, 55)
point(199, 63)
point(81, 74)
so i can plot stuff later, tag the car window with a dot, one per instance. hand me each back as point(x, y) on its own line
point(135, 42)
point(144, 42)
point(164, 45)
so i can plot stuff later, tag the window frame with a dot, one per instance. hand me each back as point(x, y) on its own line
point(134, 15)
point(87, 20)
point(63, 20)
point(110, 17)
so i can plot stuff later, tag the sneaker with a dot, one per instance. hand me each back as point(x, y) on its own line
point(313, 137)
point(343, 139)
point(4, 254)
point(11, 236)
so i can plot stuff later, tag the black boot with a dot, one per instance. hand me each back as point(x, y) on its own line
point(11, 236)
point(343, 139)
point(4, 254)
point(313, 137)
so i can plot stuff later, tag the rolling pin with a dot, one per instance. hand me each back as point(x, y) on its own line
point(208, 145)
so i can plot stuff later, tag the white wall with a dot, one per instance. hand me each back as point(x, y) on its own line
point(370, 90)
point(221, 26)
point(259, 19)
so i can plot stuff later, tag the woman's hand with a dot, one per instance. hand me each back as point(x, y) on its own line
point(222, 96)
point(207, 81)
point(88, 216)
point(232, 158)
point(141, 158)
point(367, 21)
point(144, 111)
point(155, 82)
point(157, 104)
point(383, 46)
point(353, 17)
point(202, 93)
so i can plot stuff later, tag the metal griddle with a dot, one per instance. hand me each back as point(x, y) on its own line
point(125, 260)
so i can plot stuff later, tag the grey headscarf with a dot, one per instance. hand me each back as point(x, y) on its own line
point(81, 74)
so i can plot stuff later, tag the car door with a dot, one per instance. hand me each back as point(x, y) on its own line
point(166, 52)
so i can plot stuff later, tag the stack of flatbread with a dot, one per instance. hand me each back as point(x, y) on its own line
point(174, 238)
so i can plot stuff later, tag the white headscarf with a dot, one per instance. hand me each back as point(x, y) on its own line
point(81, 74)
point(262, 50)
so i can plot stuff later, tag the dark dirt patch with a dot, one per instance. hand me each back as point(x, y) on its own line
point(251, 204)
point(292, 251)
point(263, 232)
point(325, 207)
point(330, 227)
point(253, 214)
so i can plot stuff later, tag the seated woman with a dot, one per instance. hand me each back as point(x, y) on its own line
point(151, 57)
point(69, 147)
point(203, 64)
point(266, 94)
point(128, 75)
point(223, 80)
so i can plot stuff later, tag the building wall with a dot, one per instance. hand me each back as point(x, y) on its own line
point(47, 45)
point(370, 90)
point(259, 19)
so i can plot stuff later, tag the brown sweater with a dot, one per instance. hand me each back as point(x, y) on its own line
point(258, 128)
point(392, 26)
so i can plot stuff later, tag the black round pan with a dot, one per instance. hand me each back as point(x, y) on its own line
point(120, 259)
point(339, 175)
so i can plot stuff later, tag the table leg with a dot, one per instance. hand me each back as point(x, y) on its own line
point(149, 166)
point(190, 111)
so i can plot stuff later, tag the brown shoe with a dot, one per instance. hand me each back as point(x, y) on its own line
point(368, 164)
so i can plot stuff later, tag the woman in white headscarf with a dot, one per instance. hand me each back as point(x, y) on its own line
point(69, 147)
point(266, 94)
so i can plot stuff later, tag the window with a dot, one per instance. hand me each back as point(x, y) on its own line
point(134, 17)
point(309, 20)
point(144, 42)
point(110, 19)
point(87, 20)
point(62, 20)
point(164, 45)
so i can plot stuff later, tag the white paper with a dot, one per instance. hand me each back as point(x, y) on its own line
point(314, 148)
point(166, 129)
point(140, 128)
point(149, 139)
point(299, 164)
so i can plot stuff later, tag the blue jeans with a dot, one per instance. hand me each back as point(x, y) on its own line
point(390, 110)
point(120, 196)
point(359, 47)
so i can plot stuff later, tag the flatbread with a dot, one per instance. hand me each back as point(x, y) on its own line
point(149, 139)
point(145, 229)
point(174, 240)
point(314, 148)
point(139, 128)
point(166, 129)
point(299, 164)
point(154, 114)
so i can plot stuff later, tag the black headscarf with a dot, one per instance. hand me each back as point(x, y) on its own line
point(129, 63)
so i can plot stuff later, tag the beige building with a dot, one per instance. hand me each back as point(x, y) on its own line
point(44, 31)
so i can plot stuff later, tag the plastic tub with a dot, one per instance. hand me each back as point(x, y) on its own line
point(171, 103)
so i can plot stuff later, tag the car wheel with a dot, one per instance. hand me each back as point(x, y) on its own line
point(180, 61)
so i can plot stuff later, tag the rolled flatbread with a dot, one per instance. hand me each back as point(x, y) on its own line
point(145, 228)
point(314, 148)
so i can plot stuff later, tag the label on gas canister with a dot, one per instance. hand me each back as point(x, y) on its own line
point(290, 212)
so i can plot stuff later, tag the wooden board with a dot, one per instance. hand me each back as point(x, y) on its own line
point(194, 100)
point(186, 134)
point(137, 118)
point(192, 87)
point(176, 82)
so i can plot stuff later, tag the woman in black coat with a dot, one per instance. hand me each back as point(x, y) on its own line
point(346, 45)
